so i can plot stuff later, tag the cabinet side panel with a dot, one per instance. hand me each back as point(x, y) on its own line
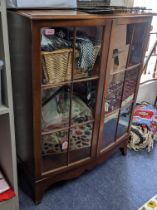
point(21, 64)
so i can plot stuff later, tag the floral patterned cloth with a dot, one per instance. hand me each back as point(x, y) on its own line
point(147, 115)
point(80, 137)
point(55, 114)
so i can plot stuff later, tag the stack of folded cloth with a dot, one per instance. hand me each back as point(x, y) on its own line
point(6, 193)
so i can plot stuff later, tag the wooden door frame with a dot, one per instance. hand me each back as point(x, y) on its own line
point(36, 86)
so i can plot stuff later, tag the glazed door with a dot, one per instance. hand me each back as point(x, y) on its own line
point(123, 72)
point(70, 70)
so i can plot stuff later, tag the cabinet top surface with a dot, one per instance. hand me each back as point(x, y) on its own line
point(72, 14)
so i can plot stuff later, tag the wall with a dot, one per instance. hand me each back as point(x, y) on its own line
point(147, 92)
point(128, 3)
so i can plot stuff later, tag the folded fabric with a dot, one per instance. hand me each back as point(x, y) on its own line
point(86, 59)
point(147, 115)
point(64, 39)
point(3, 184)
point(143, 128)
point(7, 195)
point(56, 112)
point(6, 192)
point(140, 138)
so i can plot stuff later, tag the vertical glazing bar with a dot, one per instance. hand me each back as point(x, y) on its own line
point(132, 37)
point(71, 89)
point(124, 82)
point(120, 107)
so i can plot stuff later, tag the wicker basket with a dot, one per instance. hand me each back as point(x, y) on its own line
point(57, 65)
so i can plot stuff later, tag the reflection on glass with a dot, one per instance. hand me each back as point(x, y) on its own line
point(130, 84)
point(119, 58)
point(124, 119)
point(87, 51)
point(56, 54)
point(137, 43)
point(54, 150)
point(83, 101)
point(109, 131)
point(57, 44)
point(113, 100)
point(55, 108)
point(80, 142)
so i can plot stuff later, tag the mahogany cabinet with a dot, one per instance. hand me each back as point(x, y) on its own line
point(75, 81)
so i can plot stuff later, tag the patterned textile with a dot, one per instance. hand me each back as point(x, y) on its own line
point(80, 137)
point(144, 128)
point(130, 83)
point(86, 58)
point(140, 138)
point(147, 115)
point(150, 205)
point(115, 92)
point(55, 113)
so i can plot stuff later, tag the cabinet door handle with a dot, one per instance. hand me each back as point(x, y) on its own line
point(116, 52)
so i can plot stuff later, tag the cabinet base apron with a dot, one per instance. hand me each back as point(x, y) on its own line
point(39, 186)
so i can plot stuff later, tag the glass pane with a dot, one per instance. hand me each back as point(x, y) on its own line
point(128, 97)
point(109, 131)
point(55, 108)
point(138, 37)
point(119, 58)
point(83, 101)
point(114, 96)
point(54, 150)
point(119, 49)
point(124, 119)
point(80, 142)
point(87, 51)
point(130, 84)
point(56, 54)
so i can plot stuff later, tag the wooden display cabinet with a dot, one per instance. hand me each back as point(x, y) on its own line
point(71, 96)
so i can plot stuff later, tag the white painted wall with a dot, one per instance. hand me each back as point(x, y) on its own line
point(128, 3)
point(147, 92)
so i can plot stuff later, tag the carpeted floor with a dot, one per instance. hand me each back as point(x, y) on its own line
point(121, 183)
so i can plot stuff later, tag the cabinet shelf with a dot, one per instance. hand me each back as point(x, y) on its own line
point(49, 86)
point(117, 72)
point(4, 110)
point(129, 68)
point(110, 115)
point(126, 69)
point(63, 128)
point(9, 204)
